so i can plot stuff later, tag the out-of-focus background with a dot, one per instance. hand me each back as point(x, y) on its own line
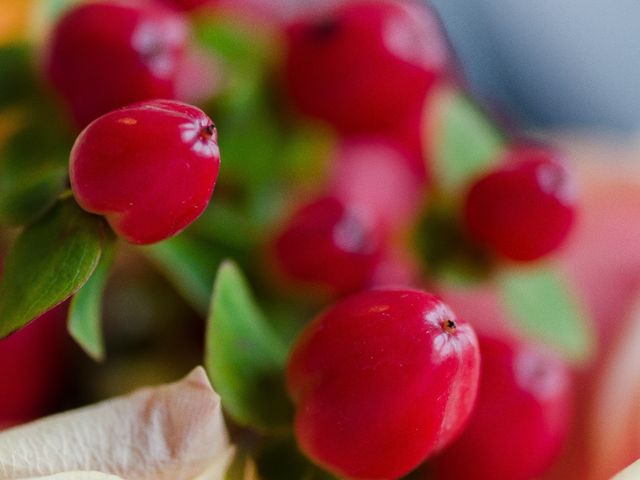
point(569, 64)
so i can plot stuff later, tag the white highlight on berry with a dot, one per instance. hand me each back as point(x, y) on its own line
point(192, 133)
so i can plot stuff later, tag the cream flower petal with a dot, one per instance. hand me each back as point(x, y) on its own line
point(632, 472)
point(171, 432)
point(77, 476)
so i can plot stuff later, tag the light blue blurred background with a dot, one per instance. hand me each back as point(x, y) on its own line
point(552, 63)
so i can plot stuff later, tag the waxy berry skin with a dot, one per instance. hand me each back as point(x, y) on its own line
point(149, 168)
point(365, 64)
point(329, 245)
point(381, 380)
point(107, 54)
point(33, 362)
point(521, 419)
point(525, 209)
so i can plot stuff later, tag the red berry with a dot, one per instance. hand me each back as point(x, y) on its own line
point(32, 362)
point(524, 209)
point(107, 54)
point(363, 65)
point(330, 245)
point(377, 175)
point(381, 380)
point(149, 168)
point(410, 135)
point(521, 418)
point(187, 5)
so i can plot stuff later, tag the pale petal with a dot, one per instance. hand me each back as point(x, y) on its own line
point(171, 432)
point(632, 472)
point(77, 476)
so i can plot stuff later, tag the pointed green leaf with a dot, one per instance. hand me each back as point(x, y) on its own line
point(542, 305)
point(85, 311)
point(468, 142)
point(244, 357)
point(49, 262)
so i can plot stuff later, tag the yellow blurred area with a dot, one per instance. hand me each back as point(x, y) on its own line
point(9, 123)
point(15, 17)
point(15, 23)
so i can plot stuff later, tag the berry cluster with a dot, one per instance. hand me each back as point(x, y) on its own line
point(388, 377)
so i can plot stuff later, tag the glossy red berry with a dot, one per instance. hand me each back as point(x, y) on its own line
point(329, 245)
point(521, 418)
point(381, 380)
point(524, 209)
point(363, 65)
point(110, 53)
point(149, 168)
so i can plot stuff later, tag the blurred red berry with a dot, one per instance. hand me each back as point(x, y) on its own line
point(521, 418)
point(32, 363)
point(524, 209)
point(410, 134)
point(149, 168)
point(329, 245)
point(107, 54)
point(187, 5)
point(364, 65)
point(381, 380)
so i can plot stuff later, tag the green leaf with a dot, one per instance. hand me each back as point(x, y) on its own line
point(25, 199)
point(542, 306)
point(49, 262)
point(16, 75)
point(34, 164)
point(240, 45)
point(190, 264)
point(85, 311)
point(223, 223)
point(467, 143)
point(244, 357)
point(305, 154)
point(257, 161)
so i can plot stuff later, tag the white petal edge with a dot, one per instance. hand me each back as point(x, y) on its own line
point(170, 432)
point(77, 476)
point(632, 472)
